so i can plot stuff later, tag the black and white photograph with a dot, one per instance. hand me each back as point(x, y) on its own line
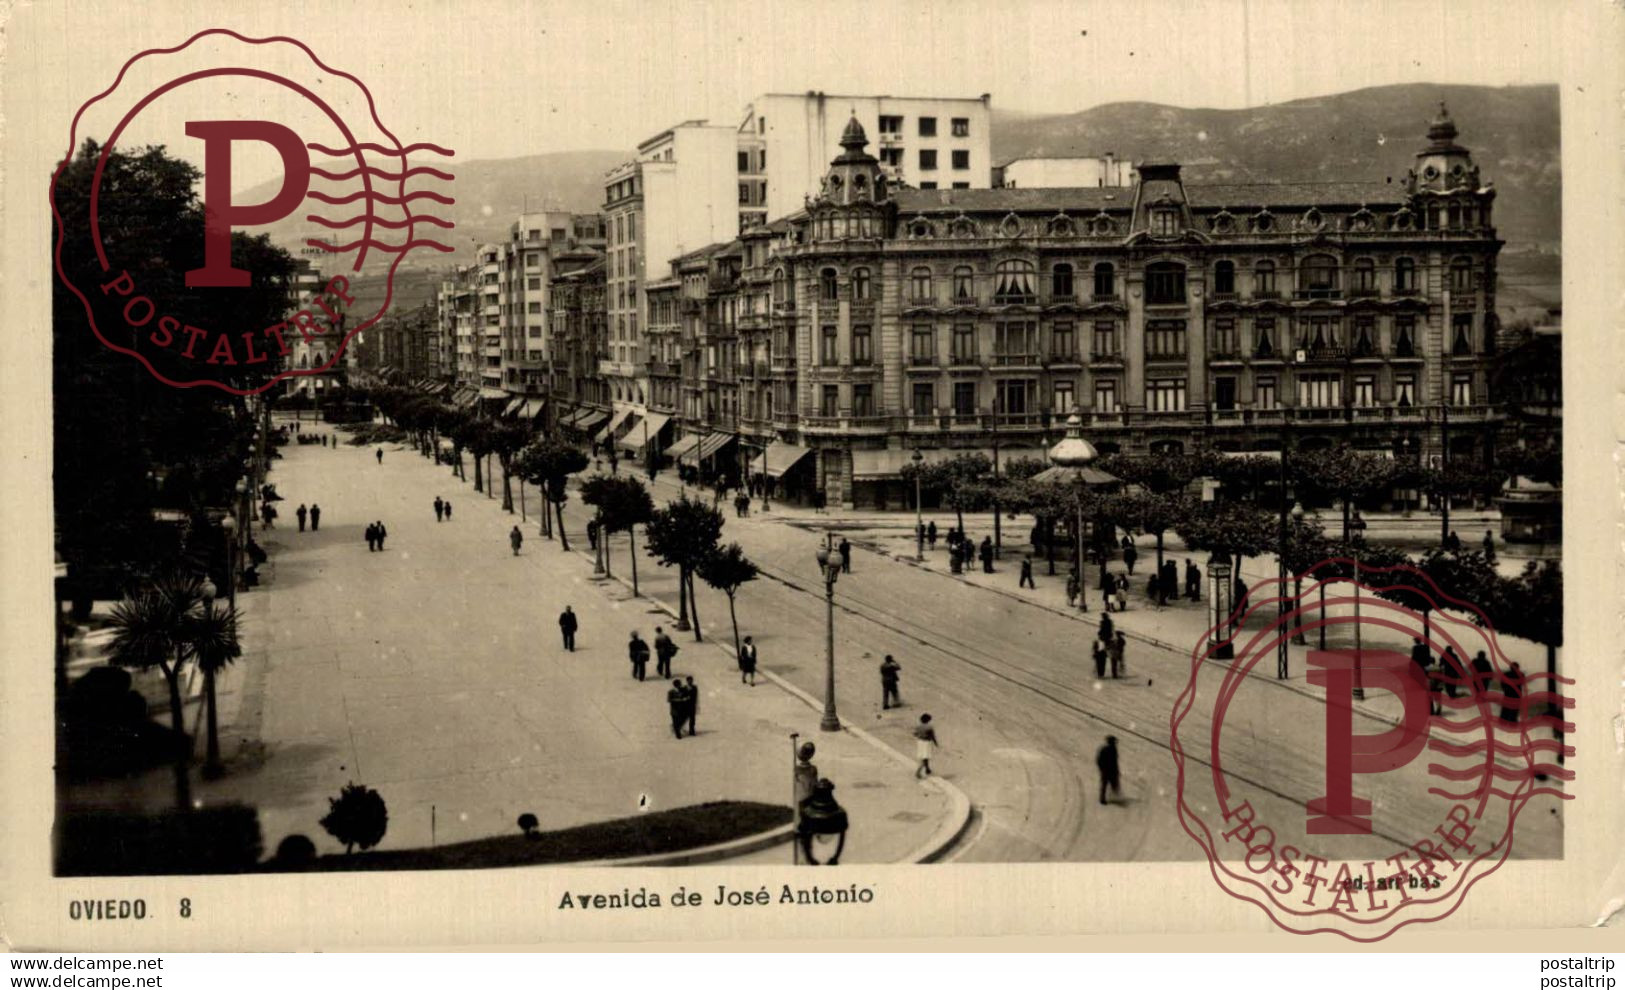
point(752, 438)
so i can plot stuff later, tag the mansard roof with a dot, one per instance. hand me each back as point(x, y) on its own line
point(1092, 199)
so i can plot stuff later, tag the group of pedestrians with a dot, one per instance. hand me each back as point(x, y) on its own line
point(684, 701)
point(1447, 675)
point(442, 509)
point(314, 514)
point(964, 551)
point(376, 534)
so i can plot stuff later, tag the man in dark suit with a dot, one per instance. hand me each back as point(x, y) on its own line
point(1106, 763)
point(567, 626)
point(638, 652)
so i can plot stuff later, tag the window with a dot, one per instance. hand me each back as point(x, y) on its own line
point(1164, 223)
point(919, 285)
point(1224, 278)
point(632, 226)
point(964, 344)
point(1264, 280)
point(1264, 394)
point(1105, 342)
point(1014, 396)
point(961, 185)
point(961, 126)
point(863, 400)
point(923, 401)
point(1461, 334)
point(928, 185)
point(1164, 284)
point(1105, 281)
point(1405, 390)
point(1224, 394)
point(1015, 343)
point(1461, 389)
point(1365, 391)
point(892, 157)
point(1062, 399)
point(928, 127)
point(534, 307)
point(1405, 275)
point(1061, 282)
point(1317, 335)
point(829, 404)
point(922, 346)
point(533, 284)
point(1404, 337)
point(826, 352)
point(1365, 337)
point(1105, 395)
point(961, 159)
point(862, 345)
point(744, 194)
point(744, 162)
point(1063, 342)
point(1013, 282)
point(826, 285)
point(860, 284)
point(1164, 339)
point(964, 398)
point(1461, 275)
point(1225, 342)
point(963, 292)
point(890, 126)
point(1320, 391)
point(1320, 276)
point(1365, 277)
point(1165, 395)
point(928, 159)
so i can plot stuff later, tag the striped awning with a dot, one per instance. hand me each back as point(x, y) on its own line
point(646, 431)
point(712, 443)
point(614, 425)
point(590, 420)
point(778, 458)
point(532, 408)
point(684, 444)
point(513, 407)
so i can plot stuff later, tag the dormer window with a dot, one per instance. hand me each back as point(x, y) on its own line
point(1164, 223)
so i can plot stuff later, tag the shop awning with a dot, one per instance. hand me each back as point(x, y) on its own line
point(778, 459)
point(683, 445)
point(712, 443)
point(590, 419)
point(649, 429)
point(467, 397)
point(614, 425)
point(513, 407)
point(532, 408)
point(492, 392)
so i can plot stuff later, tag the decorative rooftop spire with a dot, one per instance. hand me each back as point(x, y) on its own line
point(1073, 451)
point(1442, 132)
point(854, 138)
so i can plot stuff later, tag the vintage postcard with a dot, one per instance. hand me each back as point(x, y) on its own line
point(535, 474)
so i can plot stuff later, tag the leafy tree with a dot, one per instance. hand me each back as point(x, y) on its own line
point(1152, 513)
point(1245, 478)
point(956, 481)
point(548, 463)
point(1344, 474)
point(357, 817)
point(152, 627)
point(684, 535)
point(475, 436)
point(726, 570)
point(1023, 468)
point(507, 439)
point(623, 504)
point(1158, 473)
point(1237, 529)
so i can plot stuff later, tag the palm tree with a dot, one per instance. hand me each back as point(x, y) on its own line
point(211, 636)
point(725, 570)
point(151, 628)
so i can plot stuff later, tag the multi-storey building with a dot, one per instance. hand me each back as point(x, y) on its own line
point(487, 278)
point(316, 352)
point(1107, 170)
point(1242, 317)
point(527, 261)
point(578, 339)
point(787, 139)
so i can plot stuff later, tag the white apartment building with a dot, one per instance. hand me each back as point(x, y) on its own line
point(1107, 171)
point(786, 142)
point(527, 269)
point(677, 195)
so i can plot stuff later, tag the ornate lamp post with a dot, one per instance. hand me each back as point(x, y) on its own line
point(830, 561)
point(919, 522)
point(1357, 524)
point(1073, 459)
point(228, 526)
point(1218, 570)
point(823, 818)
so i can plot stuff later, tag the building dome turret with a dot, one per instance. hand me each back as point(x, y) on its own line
point(1073, 451)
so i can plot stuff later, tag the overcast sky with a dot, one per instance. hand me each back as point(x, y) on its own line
point(503, 79)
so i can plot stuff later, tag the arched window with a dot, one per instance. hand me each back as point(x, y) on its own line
point(860, 283)
point(304, 359)
point(964, 284)
point(1224, 278)
point(919, 284)
point(1264, 280)
point(1061, 281)
point(778, 285)
point(1461, 274)
point(1365, 277)
point(1013, 282)
point(826, 285)
point(1164, 283)
point(1105, 281)
point(1404, 275)
point(1319, 276)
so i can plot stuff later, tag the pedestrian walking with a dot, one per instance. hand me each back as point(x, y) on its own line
point(846, 556)
point(1512, 688)
point(747, 662)
point(1072, 589)
point(1110, 775)
point(674, 700)
point(1107, 627)
point(315, 517)
point(1193, 582)
point(987, 555)
point(691, 704)
point(1420, 657)
point(889, 670)
point(301, 512)
point(931, 534)
point(515, 539)
point(380, 453)
point(372, 537)
point(592, 534)
point(1114, 652)
point(638, 652)
point(448, 510)
point(439, 509)
point(1098, 653)
point(665, 649)
point(1489, 546)
point(1453, 542)
point(1130, 555)
point(324, 439)
point(1027, 573)
point(268, 516)
point(383, 534)
point(567, 627)
point(1454, 670)
point(1483, 672)
point(925, 743)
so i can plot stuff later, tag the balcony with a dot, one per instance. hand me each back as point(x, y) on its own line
point(1320, 292)
point(1065, 359)
point(1061, 299)
point(784, 306)
point(1364, 292)
point(846, 423)
point(1015, 299)
point(1266, 294)
point(922, 361)
point(1017, 360)
point(920, 302)
point(1322, 352)
point(1108, 359)
point(1105, 297)
point(784, 362)
point(1018, 421)
point(1409, 290)
point(665, 369)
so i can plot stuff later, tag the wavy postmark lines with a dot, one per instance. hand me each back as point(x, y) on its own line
point(245, 107)
point(1377, 795)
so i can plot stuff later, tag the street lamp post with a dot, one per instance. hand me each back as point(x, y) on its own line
point(919, 522)
point(830, 561)
point(1357, 524)
point(211, 763)
point(1297, 581)
point(1083, 592)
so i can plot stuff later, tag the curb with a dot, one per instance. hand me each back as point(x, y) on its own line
point(933, 849)
point(704, 854)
